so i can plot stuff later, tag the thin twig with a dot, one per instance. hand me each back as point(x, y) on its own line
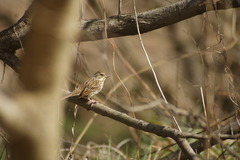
point(73, 129)
point(204, 104)
point(113, 60)
point(3, 73)
point(150, 64)
point(80, 136)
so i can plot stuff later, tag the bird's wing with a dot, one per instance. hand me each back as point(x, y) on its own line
point(89, 87)
point(91, 84)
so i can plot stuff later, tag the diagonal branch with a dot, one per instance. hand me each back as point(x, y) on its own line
point(163, 131)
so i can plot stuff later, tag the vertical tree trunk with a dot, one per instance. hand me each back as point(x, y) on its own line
point(31, 114)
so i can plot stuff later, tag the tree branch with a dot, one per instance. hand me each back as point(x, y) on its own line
point(222, 134)
point(139, 124)
point(163, 131)
point(125, 24)
point(10, 59)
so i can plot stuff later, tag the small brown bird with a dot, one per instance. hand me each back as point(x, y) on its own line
point(91, 87)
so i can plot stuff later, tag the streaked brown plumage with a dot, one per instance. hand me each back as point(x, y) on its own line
point(91, 87)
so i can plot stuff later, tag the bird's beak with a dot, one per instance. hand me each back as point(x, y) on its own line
point(106, 76)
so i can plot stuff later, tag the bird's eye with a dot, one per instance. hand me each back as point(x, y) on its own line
point(101, 74)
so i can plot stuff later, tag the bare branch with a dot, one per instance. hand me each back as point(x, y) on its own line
point(125, 24)
point(10, 59)
point(221, 134)
point(163, 131)
point(139, 124)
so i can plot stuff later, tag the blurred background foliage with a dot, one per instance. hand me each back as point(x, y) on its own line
point(199, 53)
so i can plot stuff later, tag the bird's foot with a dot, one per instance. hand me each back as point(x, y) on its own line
point(91, 102)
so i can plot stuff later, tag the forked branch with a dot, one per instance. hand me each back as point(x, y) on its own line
point(163, 131)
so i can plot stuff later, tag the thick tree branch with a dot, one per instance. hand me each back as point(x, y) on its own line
point(11, 37)
point(10, 59)
point(119, 25)
point(139, 124)
point(125, 24)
